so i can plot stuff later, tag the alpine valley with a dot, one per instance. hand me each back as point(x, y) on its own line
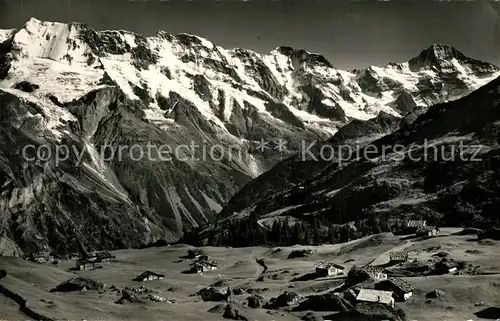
point(65, 84)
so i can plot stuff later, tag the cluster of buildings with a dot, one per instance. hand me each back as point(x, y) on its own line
point(93, 260)
point(40, 257)
point(388, 292)
point(420, 228)
point(332, 269)
point(202, 263)
point(83, 262)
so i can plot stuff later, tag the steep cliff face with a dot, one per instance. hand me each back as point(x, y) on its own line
point(156, 134)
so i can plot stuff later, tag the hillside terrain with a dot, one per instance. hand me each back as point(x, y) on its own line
point(463, 296)
point(69, 91)
point(443, 167)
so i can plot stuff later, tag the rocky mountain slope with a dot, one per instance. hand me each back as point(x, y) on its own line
point(444, 167)
point(83, 95)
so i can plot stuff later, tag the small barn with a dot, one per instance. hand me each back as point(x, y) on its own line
point(401, 289)
point(74, 256)
point(40, 257)
point(412, 226)
point(446, 266)
point(104, 256)
point(376, 296)
point(416, 224)
point(149, 276)
point(374, 273)
point(197, 268)
point(211, 265)
point(203, 258)
point(398, 256)
point(88, 264)
point(195, 253)
point(329, 269)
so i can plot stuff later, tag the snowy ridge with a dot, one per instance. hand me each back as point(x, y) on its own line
point(69, 56)
point(6, 34)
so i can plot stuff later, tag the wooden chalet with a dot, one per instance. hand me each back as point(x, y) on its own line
point(402, 290)
point(329, 269)
point(376, 296)
point(149, 276)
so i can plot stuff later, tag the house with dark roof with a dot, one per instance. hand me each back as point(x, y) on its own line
point(329, 269)
point(195, 253)
point(401, 289)
point(446, 266)
point(197, 268)
point(74, 256)
point(88, 263)
point(40, 257)
point(149, 276)
point(374, 272)
point(104, 256)
point(200, 267)
point(203, 258)
point(398, 256)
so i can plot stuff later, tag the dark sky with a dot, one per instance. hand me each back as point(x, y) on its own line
point(351, 34)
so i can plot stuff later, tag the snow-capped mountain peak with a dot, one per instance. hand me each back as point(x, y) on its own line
point(446, 58)
point(67, 82)
point(307, 84)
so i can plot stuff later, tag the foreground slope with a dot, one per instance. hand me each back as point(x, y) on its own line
point(462, 295)
point(444, 167)
point(95, 91)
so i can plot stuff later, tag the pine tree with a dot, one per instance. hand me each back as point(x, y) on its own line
point(287, 239)
point(316, 231)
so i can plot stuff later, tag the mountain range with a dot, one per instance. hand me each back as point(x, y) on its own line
point(443, 167)
point(66, 88)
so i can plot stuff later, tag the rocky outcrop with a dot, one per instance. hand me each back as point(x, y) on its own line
point(324, 302)
point(300, 253)
point(255, 301)
point(370, 311)
point(213, 294)
point(434, 294)
point(233, 313)
point(285, 299)
point(79, 284)
point(405, 103)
